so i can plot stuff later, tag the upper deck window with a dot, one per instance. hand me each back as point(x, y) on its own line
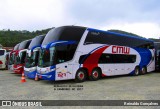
point(66, 33)
point(36, 41)
point(96, 37)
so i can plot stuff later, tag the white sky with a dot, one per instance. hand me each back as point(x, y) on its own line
point(137, 16)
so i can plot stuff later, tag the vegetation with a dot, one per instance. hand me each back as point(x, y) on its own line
point(10, 38)
point(124, 32)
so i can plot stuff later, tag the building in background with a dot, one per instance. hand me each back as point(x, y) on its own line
point(8, 48)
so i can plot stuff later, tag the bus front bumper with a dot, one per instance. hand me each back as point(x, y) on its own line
point(18, 69)
point(47, 76)
point(30, 75)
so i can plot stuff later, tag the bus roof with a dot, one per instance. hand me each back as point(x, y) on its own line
point(24, 44)
point(119, 34)
point(36, 41)
point(67, 33)
point(16, 47)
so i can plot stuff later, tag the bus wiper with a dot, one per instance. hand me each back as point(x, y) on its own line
point(88, 43)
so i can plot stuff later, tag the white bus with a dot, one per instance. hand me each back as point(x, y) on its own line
point(31, 61)
point(3, 53)
point(72, 52)
point(12, 57)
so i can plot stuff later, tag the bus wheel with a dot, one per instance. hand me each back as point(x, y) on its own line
point(95, 75)
point(136, 71)
point(81, 75)
point(144, 70)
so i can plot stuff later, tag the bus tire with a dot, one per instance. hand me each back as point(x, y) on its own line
point(95, 75)
point(136, 71)
point(144, 70)
point(81, 75)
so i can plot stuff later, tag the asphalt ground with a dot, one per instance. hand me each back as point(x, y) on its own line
point(142, 87)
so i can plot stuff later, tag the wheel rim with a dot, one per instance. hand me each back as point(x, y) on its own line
point(136, 71)
point(143, 70)
point(81, 75)
point(95, 74)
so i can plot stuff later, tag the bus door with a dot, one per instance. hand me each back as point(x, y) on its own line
point(64, 54)
point(22, 55)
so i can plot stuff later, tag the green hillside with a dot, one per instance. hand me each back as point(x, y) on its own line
point(9, 38)
point(124, 32)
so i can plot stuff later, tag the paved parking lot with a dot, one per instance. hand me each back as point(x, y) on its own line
point(143, 87)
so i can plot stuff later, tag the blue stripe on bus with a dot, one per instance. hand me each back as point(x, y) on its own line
point(35, 47)
point(146, 57)
point(59, 42)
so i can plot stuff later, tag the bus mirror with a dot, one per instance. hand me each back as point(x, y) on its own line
point(29, 53)
point(33, 63)
point(19, 55)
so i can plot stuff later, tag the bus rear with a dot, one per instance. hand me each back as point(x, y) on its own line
point(2, 58)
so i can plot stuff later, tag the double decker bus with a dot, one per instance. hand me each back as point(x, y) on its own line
point(12, 57)
point(31, 62)
point(3, 53)
point(20, 56)
point(72, 52)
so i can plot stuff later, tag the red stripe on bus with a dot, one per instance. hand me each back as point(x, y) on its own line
point(92, 61)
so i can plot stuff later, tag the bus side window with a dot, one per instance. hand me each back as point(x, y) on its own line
point(117, 58)
point(106, 58)
point(64, 53)
point(82, 59)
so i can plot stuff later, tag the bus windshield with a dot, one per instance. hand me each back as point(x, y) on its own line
point(17, 60)
point(65, 33)
point(16, 47)
point(63, 53)
point(32, 60)
point(20, 59)
point(2, 52)
point(11, 59)
point(57, 54)
point(46, 57)
point(24, 44)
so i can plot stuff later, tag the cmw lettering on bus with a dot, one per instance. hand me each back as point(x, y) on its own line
point(120, 50)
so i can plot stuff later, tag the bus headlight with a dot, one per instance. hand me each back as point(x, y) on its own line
point(32, 69)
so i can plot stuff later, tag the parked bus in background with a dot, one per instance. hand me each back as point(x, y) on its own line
point(31, 62)
point(3, 53)
point(157, 54)
point(20, 56)
point(72, 52)
point(12, 57)
point(7, 59)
